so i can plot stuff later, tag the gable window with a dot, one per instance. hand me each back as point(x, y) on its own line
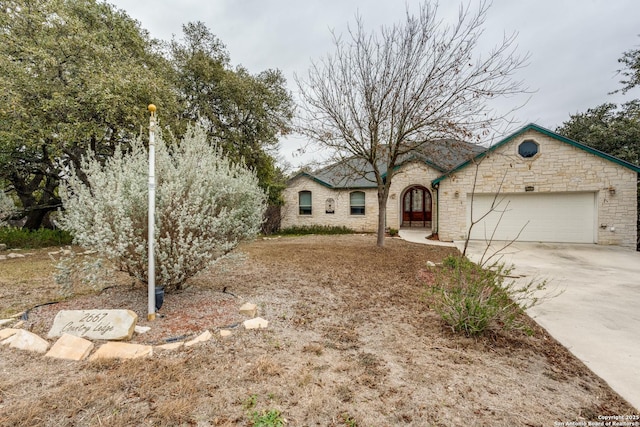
point(304, 202)
point(356, 200)
point(528, 148)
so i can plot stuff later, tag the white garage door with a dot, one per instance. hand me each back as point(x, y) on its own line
point(538, 217)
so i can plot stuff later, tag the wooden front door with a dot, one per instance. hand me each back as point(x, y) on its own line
point(416, 207)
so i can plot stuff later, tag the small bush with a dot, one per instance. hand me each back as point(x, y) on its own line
point(452, 261)
point(473, 300)
point(393, 232)
point(315, 229)
point(15, 237)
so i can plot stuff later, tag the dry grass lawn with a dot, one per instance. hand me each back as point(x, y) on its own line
point(351, 341)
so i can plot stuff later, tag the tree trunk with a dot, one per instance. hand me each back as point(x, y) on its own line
point(35, 207)
point(382, 215)
point(35, 219)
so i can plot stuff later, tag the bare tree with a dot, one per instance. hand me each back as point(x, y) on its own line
point(382, 96)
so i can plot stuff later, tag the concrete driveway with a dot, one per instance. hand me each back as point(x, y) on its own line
point(597, 317)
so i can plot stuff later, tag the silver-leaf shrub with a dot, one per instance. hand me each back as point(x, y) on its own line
point(205, 206)
point(7, 208)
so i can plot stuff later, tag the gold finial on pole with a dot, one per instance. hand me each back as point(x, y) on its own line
point(152, 109)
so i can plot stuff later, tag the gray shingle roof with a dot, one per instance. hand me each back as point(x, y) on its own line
point(442, 155)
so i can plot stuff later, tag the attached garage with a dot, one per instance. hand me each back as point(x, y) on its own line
point(535, 217)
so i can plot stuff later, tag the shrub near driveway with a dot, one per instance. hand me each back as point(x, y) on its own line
point(476, 300)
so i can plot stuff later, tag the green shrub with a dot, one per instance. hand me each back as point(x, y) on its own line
point(393, 232)
point(15, 237)
point(453, 261)
point(315, 229)
point(473, 300)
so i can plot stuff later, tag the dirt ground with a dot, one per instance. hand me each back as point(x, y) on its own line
point(351, 342)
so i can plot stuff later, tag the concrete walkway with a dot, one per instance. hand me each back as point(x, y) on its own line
point(597, 315)
point(419, 235)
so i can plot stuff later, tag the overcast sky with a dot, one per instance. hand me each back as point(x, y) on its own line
point(573, 45)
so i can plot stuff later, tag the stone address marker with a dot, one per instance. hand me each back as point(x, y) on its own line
point(95, 324)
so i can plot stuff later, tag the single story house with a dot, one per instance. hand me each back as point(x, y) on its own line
point(543, 188)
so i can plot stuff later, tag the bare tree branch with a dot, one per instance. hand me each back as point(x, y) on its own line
point(381, 96)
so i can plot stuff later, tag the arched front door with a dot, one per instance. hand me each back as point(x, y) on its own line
point(416, 207)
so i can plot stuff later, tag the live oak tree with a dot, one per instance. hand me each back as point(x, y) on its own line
point(243, 112)
point(77, 75)
point(381, 96)
point(608, 127)
point(74, 75)
point(631, 71)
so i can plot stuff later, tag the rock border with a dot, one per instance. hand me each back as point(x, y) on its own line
point(70, 347)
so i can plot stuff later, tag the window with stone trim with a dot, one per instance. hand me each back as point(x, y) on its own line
point(356, 201)
point(304, 202)
point(528, 148)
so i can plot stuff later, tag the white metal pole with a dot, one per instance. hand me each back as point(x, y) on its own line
point(151, 315)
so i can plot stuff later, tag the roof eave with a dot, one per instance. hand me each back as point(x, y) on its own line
point(311, 177)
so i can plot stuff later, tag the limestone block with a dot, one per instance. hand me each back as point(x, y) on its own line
point(171, 346)
point(25, 340)
point(249, 309)
point(6, 334)
point(121, 350)
point(225, 333)
point(256, 323)
point(14, 255)
point(95, 324)
point(141, 329)
point(5, 321)
point(203, 337)
point(7, 341)
point(70, 347)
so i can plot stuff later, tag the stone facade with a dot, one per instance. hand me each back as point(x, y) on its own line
point(558, 167)
point(320, 194)
point(411, 174)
